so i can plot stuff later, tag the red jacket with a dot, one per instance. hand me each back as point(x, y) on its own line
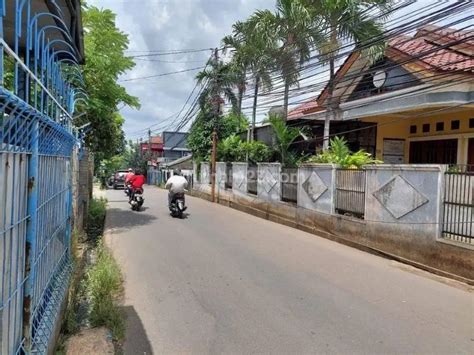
point(137, 181)
point(128, 176)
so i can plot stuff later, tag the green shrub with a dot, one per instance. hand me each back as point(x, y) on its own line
point(340, 154)
point(103, 287)
point(284, 137)
point(256, 151)
point(96, 217)
point(231, 149)
point(234, 149)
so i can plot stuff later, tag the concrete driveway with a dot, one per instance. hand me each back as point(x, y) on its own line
point(225, 282)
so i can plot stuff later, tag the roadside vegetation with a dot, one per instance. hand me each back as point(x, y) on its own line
point(96, 218)
point(103, 286)
point(96, 283)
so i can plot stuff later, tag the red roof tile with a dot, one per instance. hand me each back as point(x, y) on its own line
point(300, 110)
point(426, 51)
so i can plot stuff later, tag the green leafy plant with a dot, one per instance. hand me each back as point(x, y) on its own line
point(256, 152)
point(233, 149)
point(284, 136)
point(105, 45)
point(200, 134)
point(96, 217)
point(103, 286)
point(230, 149)
point(340, 154)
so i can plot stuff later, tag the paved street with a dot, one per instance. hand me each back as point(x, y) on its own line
point(225, 282)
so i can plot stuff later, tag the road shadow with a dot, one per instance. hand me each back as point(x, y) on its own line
point(119, 219)
point(136, 340)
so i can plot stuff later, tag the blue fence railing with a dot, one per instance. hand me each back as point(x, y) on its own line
point(40, 85)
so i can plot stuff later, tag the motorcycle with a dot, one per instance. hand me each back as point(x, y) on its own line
point(128, 189)
point(136, 200)
point(177, 206)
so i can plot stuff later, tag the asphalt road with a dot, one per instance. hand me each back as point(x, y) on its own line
point(225, 282)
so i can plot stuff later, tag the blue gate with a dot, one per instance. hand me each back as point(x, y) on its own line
point(39, 79)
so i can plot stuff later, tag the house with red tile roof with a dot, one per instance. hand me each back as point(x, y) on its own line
point(418, 100)
point(152, 148)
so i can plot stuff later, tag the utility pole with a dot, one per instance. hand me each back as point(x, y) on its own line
point(149, 146)
point(216, 109)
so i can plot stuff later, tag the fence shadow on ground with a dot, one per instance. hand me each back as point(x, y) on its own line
point(119, 220)
point(136, 340)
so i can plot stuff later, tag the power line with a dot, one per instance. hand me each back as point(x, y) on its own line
point(160, 75)
point(164, 53)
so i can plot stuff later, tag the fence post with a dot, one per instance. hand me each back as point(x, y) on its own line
point(31, 233)
point(316, 187)
point(239, 178)
point(269, 181)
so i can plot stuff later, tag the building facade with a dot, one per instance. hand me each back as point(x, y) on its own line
point(175, 146)
point(419, 98)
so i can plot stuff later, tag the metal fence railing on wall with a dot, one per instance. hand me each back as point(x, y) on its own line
point(252, 179)
point(350, 192)
point(37, 102)
point(458, 211)
point(289, 184)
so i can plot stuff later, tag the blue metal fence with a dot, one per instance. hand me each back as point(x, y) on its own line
point(39, 88)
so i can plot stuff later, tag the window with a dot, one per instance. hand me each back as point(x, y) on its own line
point(444, 151)
point(426, 128)
point(413, 129)
point(455, 124)
point(471, 123)
point(439, 126)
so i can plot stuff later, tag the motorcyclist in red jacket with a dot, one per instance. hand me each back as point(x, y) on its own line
point(136, 182)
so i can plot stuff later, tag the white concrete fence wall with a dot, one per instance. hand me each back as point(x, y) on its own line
point(269, 181)
point(402, 215)
point(239, 178)
point(409, 196)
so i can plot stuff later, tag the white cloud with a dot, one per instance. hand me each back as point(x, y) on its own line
point(168, 25)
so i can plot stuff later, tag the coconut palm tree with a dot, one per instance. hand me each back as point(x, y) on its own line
point(346, 21)
point(296, 30)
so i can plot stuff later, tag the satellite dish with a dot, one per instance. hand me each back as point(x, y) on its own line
point(379, 78)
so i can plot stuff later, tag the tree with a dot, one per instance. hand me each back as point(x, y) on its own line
point(239, 62)
point(220, 80)
point(199, 139)
point(105, 62)
point(251, 52)
point(132, 157)
point(346, 21)
point(284, 136)
point(295, 27)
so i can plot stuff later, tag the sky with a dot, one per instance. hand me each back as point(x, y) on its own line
point(167, 25)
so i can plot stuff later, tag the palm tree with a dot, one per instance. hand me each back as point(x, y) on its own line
point(284, 136)
point(220, 80)
point(295, 28)
point(346, 21)
point(239, 61)
point(252, 53)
